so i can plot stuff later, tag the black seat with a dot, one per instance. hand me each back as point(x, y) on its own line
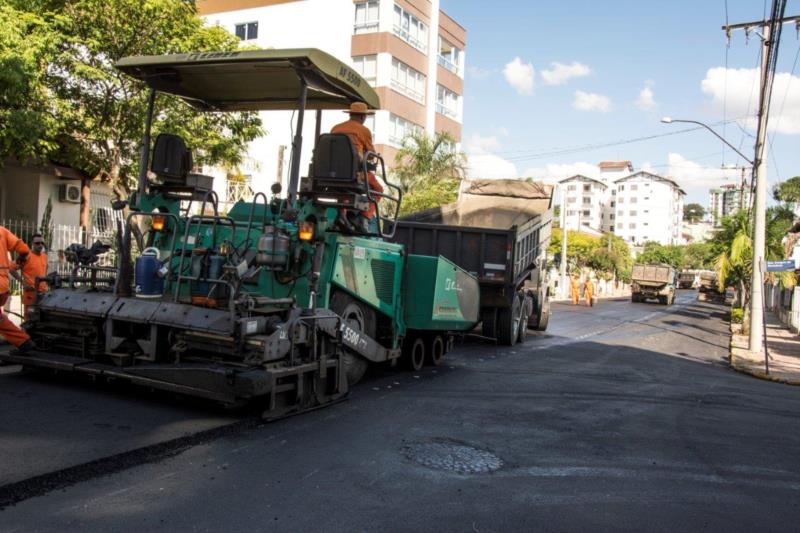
point(172, 160)
point(336, 164)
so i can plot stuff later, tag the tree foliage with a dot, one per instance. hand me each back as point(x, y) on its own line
point(608, 254)
point(693, 213)
point(96, 112)
point(430, 195)
point(788, 191)
point(654, 253)
point(422, 159)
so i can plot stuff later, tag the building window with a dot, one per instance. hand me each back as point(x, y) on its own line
point(410, 29)
point(247, 31)
point(620, 213)
point(633, 200)
point(632, 225)
point(587, 213)
point(570, 187)
point(449, 56)
point(400, 128)
point(571, 213)
point(613, 203)
point(571, 200)
point(620, 200)
point(367, 17)
point(367, 66)
point(613, 192)
point(634, 187)
point(633, 213)
point(585, 223)
point(611, 216)
point(587, 188)
point(621, 187)
point(646, 197)
point(587, 200)
point(446, 102)
point(408, 81)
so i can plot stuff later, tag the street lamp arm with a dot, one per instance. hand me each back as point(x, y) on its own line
point(667, 120)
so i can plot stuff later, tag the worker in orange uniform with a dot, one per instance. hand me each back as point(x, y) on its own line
point(575, 288)
point(362, 141)
point(11, 243)
point(35, 267)
point(588, 288)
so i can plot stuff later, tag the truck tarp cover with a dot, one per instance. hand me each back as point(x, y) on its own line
point(498, 204)
point(652, 273)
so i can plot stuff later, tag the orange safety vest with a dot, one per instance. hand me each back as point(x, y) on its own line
point(9, 243)
point(35, 267)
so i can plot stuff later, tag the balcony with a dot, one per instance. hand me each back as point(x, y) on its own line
point(408, 91)
point(413, 41)
point(449, 65)
point(446, 111)
point(365, 27)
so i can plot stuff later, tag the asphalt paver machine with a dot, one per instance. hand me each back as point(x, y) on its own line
point(283, 297)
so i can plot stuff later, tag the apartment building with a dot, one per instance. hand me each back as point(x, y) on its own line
point(648, 208)
point(727, 200)
point(410, 51)
point(584, 201)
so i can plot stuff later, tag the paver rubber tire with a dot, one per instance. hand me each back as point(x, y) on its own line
point(508, 319)
point(436, 350)
point(414, 354)
point(360, 317)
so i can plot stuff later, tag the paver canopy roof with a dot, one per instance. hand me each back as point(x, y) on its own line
point(253, 80)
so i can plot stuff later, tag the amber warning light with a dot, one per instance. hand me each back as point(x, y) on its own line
point(306, 231)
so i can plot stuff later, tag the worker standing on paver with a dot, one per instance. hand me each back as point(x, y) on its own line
point(588, 288)
point(34, 267)
point(575, 288)
point(8, 330)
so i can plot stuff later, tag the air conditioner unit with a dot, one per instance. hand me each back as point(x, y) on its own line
point(68, 192)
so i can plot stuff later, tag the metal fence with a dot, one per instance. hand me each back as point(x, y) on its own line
point(57, 239)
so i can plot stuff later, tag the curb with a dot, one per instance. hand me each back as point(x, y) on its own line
point(758, 374)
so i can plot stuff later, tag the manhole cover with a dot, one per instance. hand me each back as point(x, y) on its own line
point(453, 457)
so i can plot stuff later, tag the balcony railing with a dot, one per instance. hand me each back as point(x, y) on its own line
point(449, 65)
point(408, 91)
point(413, 41)
point(446, 111)
point(366, 27)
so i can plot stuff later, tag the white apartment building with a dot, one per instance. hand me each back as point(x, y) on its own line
point(611, 171)
point(584, 203)
point(727, 200)
point(410, 51)
point(648, 208)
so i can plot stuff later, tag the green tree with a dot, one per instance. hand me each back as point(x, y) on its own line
point(430, 195)
point(788, 191)
point(98, 112)
point(423, 159)
point(654, 253)
point(699, 256)
point(693, 213)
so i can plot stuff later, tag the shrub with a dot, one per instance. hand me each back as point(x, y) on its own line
point(737, 314)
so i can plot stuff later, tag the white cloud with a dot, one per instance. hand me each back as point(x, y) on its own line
point(520, 76)
point(479, 145)
point(691, 175)
point(646, 100)
point(489, 166)
point(741, 88)
point(591, 102)
point(555, 172)
point(560, 73)
point(478, 73)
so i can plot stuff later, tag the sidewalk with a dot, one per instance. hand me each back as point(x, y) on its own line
point(784, 351)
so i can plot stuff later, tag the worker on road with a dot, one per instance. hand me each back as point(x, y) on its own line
point(11, 243)
point(35, 267)
point(362, 141)
point(588, 288)
point(575, 289)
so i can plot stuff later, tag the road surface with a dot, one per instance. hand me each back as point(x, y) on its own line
point(621, 417)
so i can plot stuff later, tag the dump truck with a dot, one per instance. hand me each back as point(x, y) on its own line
point(653, 282)
point(687, 279)
point(283, 298)
point(708, 288)
point(498, 231)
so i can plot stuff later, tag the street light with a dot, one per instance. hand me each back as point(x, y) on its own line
point(670, 120)
point(759, 232)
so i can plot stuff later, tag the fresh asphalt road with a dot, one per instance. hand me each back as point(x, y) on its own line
point(621, 417)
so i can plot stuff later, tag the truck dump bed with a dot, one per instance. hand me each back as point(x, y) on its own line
point(496, 231)
point(652, 274)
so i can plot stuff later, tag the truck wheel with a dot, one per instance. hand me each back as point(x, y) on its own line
point(489, 320)
point(359, 317)
point(525, 306)
point(436, 350)
point(508, 320)
point(662, 300)
point(544, 317)
point(414, 354)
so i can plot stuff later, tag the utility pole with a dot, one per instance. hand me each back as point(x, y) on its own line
point(563, 265)
point(768, 48)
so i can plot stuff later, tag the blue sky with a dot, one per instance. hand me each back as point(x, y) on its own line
point(623, 65)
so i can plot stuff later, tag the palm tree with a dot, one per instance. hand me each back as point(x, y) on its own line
point(425, 159)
